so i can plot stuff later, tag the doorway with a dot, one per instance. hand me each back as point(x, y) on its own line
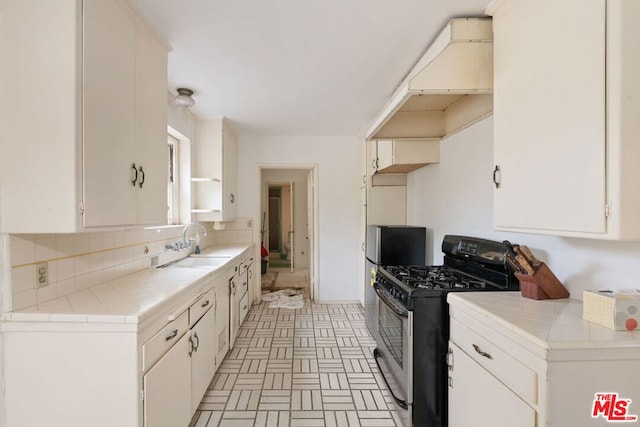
point(280, 226)
point(287, 206)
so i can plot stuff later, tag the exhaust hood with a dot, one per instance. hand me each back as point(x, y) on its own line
point(449, 88)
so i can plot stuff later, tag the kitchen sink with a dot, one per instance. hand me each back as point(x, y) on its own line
point(192, 262)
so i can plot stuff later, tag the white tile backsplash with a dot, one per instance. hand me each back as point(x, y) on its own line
point(23, 250)
point(65, 287)
point(23, 278)
point(95, 242)
point(45, 248)
point(47, 293)
point(81, 243)
point(25, 299)
point(65, 268)
point(65, 245)
point(81, 282)
point(81, 264)
point(80, 261)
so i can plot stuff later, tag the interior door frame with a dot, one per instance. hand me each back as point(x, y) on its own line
point(313, 245)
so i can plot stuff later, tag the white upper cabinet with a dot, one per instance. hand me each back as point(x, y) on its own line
point(215, 165)
point(404, 156)
point(83, 100)
point(566, 104)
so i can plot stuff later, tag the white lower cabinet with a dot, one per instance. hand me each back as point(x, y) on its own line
point(174, 387)
point(517, 362)
point(106, 374)
point(477, 398)
point(167, 387)
point(239, 298)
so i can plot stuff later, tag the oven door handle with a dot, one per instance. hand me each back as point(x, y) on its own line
point(402, 403)
point(385, 299)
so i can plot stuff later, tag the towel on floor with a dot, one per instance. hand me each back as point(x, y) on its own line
point(284, 298)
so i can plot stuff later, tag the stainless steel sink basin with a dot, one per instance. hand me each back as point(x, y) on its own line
point(208, 262)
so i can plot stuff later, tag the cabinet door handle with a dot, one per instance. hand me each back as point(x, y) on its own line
point(196, 344)
point(497, 176)
point(480, 352)
point(142, 179)
point(232, 198)
point(233, 288)
point(450, 367)
point(204, 304)
point(191, 347)
point(172, 336)
point(135, 174)
point(245, 307)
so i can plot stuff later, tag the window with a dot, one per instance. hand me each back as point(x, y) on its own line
point(173, 196)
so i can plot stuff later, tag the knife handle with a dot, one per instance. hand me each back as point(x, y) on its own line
point(514, 264)
point(525, 265)
point(526, 252)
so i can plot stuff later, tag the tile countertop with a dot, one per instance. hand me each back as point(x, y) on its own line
point(130, 299)
point(548, 324)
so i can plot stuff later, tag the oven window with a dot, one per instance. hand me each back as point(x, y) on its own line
point(390, 328)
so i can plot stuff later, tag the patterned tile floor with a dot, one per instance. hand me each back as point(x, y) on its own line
point(307, 367)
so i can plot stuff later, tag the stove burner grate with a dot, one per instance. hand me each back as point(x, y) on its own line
point(434, 277)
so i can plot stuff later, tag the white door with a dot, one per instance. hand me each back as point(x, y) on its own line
point(310, 234)
point(292, 234)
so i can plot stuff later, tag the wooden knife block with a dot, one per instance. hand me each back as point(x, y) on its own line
point(542, 284)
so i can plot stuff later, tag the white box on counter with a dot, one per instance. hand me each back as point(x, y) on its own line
point(615, 309)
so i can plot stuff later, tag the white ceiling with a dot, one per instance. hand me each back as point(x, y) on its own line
point(296, 67)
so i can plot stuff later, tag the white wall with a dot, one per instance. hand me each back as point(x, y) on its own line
point(339, 177)
point(456, 197)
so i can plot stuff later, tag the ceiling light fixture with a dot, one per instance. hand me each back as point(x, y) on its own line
point(184, 99)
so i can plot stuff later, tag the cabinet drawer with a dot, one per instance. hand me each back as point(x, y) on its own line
point(158, 345)
point(243, 307)
point(511, 372)
point(201, 306)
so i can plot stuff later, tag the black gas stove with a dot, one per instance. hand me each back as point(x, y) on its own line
point(413, 321)
point(470, 264)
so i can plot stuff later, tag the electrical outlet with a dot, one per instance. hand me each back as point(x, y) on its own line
point(249, 223)
point(42, 275)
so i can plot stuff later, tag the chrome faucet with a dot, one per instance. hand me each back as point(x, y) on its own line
point(186, 228)
point(185, 243)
